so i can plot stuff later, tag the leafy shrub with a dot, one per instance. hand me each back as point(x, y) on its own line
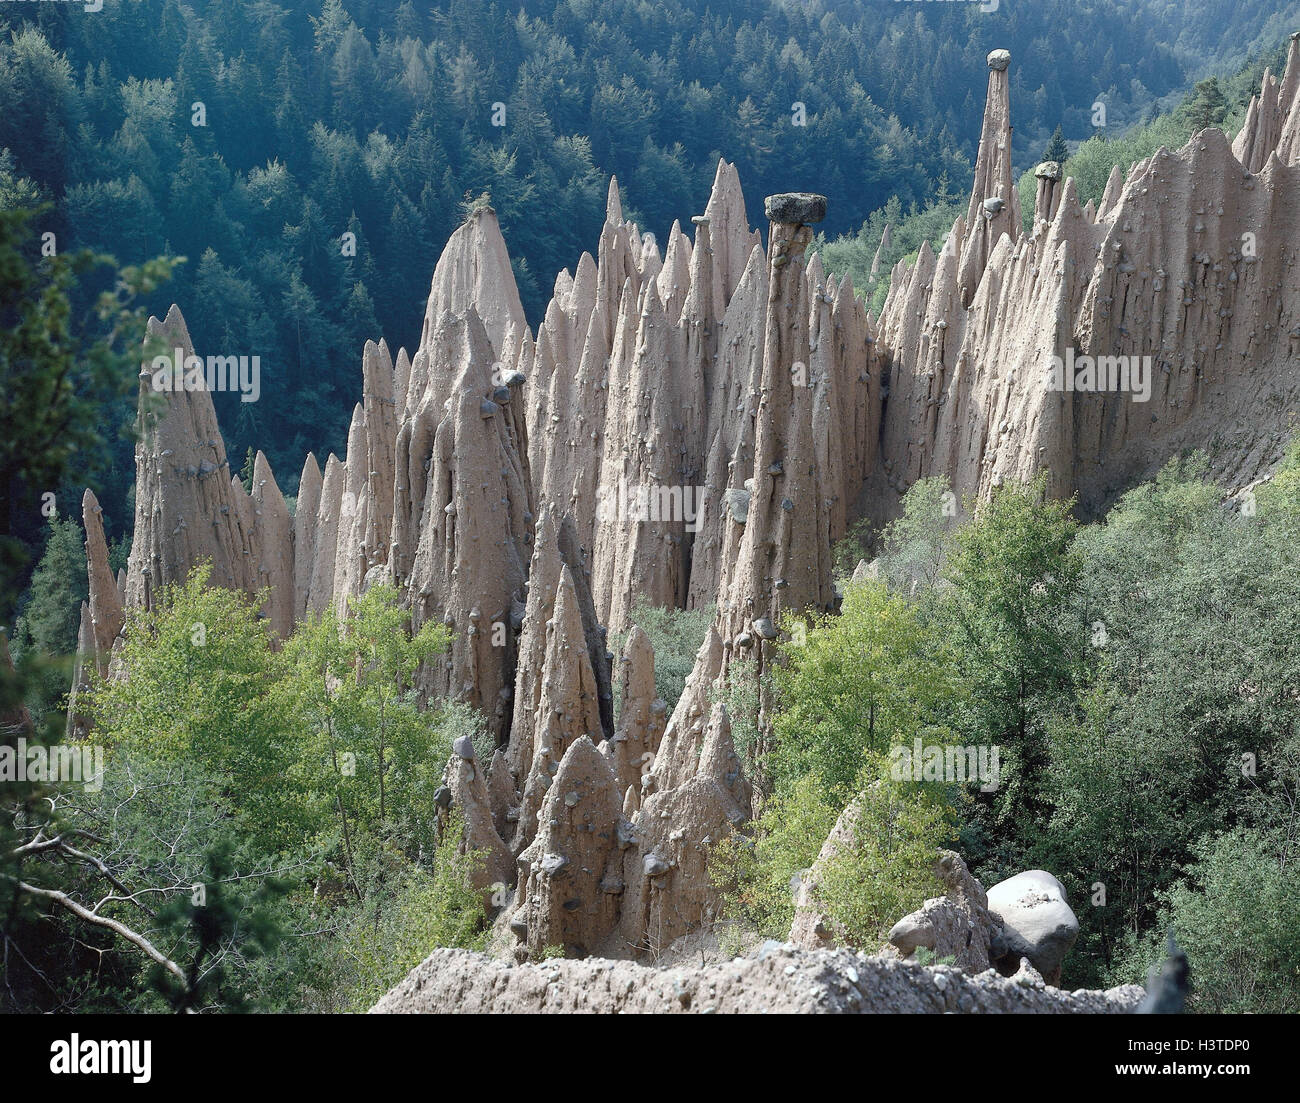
point(676, 636)
point(888, 869)
point(914, 546)
point(882, 872)
point(395, 930)
point(755, 870)
point(1234, 915)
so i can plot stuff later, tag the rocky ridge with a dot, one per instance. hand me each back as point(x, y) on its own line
point(779, 979)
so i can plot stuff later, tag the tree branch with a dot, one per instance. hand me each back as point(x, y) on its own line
point(123, 931)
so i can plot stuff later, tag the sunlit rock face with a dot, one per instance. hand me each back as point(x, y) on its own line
point(1098, 345)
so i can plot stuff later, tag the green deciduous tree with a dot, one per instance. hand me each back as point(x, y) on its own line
point(858, 684)
point(1013, 633)
point(201, 691)
point(372, 758)
point(1234, 917)
point(1190, 701)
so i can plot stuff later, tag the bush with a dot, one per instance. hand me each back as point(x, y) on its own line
point(754, 871)
point(882, 871)
point(851, 549)
point(740, 693)
point(396, 930)
point(888, 869)
point(676, 636)
point(914, 547)
point(1234, 915)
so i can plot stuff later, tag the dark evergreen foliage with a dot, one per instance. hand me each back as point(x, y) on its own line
point(375, 117)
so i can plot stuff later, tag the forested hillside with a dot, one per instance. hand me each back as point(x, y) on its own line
point(252, 136)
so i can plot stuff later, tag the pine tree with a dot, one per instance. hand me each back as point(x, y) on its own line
point(1207, 105)
point(46, 633)
point(1056, 149)
point(53, 612)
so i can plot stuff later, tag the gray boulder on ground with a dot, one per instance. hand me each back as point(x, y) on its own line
point(956, 925)
point(1037, 922)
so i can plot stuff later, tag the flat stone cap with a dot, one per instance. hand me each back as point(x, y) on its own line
point(795, 207)
point(1048, 170)
point(999, 59)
